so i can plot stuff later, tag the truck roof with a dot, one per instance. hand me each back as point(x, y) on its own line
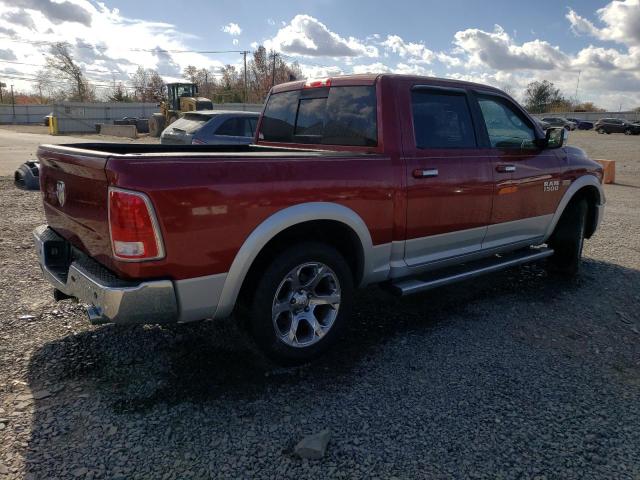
point(371, 78)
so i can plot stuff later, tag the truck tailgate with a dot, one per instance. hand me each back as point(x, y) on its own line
point(74, 187)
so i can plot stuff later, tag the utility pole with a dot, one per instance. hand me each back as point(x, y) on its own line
point(273, 71)
point(2, 85)
point(244, 54)
point(13, 104)
point(578, 85)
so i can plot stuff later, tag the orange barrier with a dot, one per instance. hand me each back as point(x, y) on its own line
point(609, 170)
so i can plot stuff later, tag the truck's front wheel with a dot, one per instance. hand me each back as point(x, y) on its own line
point(301, 303)
point(568, 239)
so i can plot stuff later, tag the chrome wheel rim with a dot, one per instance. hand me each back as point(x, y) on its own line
point(306, 304)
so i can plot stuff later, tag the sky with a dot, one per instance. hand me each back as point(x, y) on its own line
point(589, 49)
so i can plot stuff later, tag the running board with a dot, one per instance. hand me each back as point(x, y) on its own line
point(472, 269)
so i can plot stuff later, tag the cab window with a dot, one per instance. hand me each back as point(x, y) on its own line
point(441, 119)
point(506, 126)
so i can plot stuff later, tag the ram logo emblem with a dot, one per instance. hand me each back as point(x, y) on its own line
point(61, 192)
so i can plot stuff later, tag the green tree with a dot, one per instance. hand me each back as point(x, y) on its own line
point(541, 97)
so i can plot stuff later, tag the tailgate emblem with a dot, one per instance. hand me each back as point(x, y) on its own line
point(61, 192)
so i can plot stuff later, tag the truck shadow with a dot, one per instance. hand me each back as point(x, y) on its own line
point(116, 376)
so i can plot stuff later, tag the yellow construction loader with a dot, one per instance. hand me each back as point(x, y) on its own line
point(181, 97)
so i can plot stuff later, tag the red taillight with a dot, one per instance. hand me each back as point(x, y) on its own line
point(134, 231)
point(317, 83)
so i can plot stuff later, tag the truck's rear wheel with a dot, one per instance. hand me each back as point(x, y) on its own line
point(567, 240)
point(301, 303)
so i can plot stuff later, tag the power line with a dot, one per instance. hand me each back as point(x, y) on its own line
point(118, 72)
point(100, 47)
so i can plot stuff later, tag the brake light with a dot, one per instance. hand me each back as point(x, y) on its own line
point(135, 235)
point(318, 83)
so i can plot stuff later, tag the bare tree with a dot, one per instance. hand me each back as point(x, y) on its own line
point(61, 61)
point(118, 93)
point(148, 85)
point(203, 78)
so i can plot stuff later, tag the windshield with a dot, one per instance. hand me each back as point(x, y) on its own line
point(327, 116)
point(191, 122)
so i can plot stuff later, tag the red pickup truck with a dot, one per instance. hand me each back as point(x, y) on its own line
point(409, 181)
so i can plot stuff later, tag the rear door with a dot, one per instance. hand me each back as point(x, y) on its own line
point(449, 180)
point(235, 130)
point(529, 181)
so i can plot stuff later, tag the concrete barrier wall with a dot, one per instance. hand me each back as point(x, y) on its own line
point(128, 131)
point(24, 114)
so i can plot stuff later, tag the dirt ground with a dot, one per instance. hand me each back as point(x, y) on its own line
point(516, 375)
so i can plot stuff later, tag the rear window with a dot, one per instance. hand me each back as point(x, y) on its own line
point(191, 122)
point(328, 116)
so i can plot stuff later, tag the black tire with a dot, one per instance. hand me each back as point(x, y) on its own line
point(627, 131)
point(567, 240)
point(255, 309)
point(601, 131)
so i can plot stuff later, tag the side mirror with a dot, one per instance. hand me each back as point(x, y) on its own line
point(556, 137)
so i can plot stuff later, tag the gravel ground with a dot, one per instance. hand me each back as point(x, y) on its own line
point(519, 375)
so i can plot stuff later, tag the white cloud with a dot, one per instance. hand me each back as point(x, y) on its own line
point(317, 71)
point(100, 40)
point(232, 29)
point(621, 19)
point(377, 67)
point(235, 42)
point(307, 36)
point(448, 60)
point(497, 50)
point(415, 52)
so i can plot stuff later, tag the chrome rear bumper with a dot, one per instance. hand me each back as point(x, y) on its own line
point(109, 298)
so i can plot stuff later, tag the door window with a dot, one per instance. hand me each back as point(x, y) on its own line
point(506, 126)
point(442, 120)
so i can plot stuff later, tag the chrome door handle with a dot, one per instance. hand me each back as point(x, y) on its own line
point(425, 172)
point(506, 168)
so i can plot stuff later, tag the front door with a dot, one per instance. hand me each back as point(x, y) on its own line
point(529, 183)
point(449, 180)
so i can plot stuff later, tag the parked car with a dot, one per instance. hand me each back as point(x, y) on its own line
point(407, 181)
point(560, 122)
point(616, 125)
point(211, 127)
point(582, 124)
point(543, 125)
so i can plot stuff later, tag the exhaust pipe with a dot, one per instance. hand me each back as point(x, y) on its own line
point(95, 316)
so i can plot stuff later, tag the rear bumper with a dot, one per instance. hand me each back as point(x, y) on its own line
point(109, 298)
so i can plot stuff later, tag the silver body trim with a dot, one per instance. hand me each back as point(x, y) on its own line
point(584, 181)
point(376, 260)
point(423, 250)
point(516, 231)
point(198, 297)
point(109, 301)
